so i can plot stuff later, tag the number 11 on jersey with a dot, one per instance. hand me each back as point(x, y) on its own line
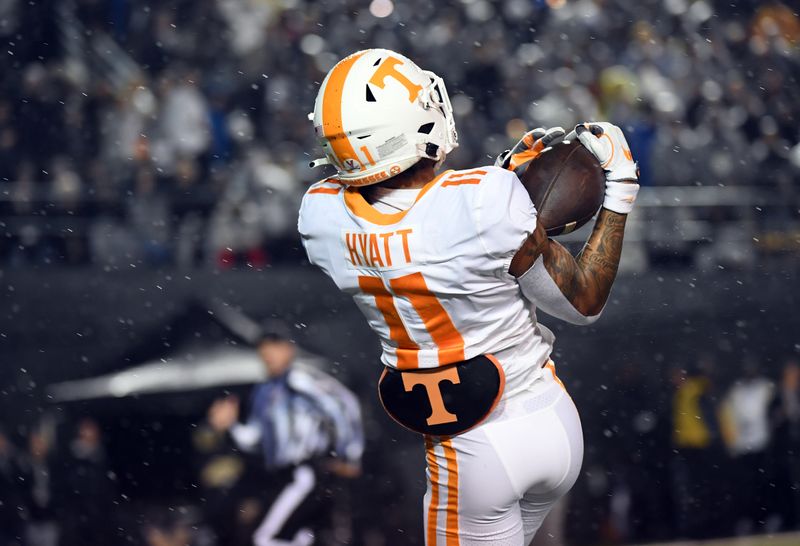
point(450, 344)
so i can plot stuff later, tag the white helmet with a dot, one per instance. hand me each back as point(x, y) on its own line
point(377, 114)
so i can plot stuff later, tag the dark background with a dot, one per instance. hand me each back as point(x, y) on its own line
point(75, 324)
point(152, 158)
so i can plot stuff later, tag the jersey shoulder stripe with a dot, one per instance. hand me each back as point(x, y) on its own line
point(474, 176)
point(459, 178)
point(327, 186)
point(472, 172)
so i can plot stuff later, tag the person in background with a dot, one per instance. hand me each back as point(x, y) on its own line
point(221, 472)
point(785, 448)
point(307, 427)
point(745, 411)
point(87, 491)
point(166, 527)
point(11, 496)
point(41, 528)
point(697, 444)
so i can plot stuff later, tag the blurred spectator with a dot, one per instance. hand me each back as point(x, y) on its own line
point(697, 444)
point(307, 427)
point(172, 527)
point(746, 411)
point(87, 489)
point(185, 115)
point(785, 421)
point(12, 507)
point(178, 534)
point(705, 91)
point(220, 469)
point(8, 144)
point(259, 204)
point(148, 213)
point(41, 526)
point(66, 190)
point(40, 117)
point(639, 498)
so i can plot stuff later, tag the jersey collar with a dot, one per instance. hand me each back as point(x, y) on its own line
point(358, 206)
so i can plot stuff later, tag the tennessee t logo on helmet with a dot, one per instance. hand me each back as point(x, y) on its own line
point(377, 114)
point(388, 68)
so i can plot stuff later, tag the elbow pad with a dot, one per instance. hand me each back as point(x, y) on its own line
point(540, 289)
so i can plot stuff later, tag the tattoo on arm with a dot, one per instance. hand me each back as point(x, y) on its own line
point(585, 280)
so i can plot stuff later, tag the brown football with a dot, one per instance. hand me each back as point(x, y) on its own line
point(567, 184)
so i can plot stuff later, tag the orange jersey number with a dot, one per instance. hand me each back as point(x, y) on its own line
point(437, 322)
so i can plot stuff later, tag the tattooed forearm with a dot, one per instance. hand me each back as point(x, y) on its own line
point(598, 261)
point(586, 279)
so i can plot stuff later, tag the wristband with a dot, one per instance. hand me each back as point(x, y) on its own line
point(620, 196)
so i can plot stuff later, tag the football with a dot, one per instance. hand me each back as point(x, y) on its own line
point(567, 184)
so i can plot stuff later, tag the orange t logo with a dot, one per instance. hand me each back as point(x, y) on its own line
point(388, 68)
point(430, 380)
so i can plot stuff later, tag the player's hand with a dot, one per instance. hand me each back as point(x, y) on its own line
point(529, 147)
point(607, 143)
point(224, 413)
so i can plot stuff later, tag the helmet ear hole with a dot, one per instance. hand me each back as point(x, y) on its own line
point(431, 150)
point(370, 96)
point(426, 128)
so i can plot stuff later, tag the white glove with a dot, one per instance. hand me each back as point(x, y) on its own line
point(607, 143)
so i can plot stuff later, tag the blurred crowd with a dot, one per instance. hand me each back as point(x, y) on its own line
point(175, 132)
point(714, 455)
point(51, 494)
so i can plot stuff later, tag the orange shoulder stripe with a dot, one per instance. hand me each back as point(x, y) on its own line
point(461, 182)
point(324, 189)
point(474, 172)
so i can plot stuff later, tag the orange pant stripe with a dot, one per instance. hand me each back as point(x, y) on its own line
point(452, 493)
point(552, 367)
point(433, 507)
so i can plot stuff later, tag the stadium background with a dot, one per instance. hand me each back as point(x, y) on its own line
point(152, 157)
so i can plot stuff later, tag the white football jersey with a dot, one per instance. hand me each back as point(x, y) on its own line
point(433, 280)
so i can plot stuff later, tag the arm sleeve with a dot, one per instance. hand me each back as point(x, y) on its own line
point(504, 215)
point(539, 288)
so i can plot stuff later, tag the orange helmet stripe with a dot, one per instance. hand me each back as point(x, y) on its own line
point(332, 127)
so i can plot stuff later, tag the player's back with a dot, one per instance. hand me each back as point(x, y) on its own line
point(433, 280)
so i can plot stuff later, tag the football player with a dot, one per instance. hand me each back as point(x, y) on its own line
point(449, 270)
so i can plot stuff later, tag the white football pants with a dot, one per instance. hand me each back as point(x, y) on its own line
point(496, 483)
